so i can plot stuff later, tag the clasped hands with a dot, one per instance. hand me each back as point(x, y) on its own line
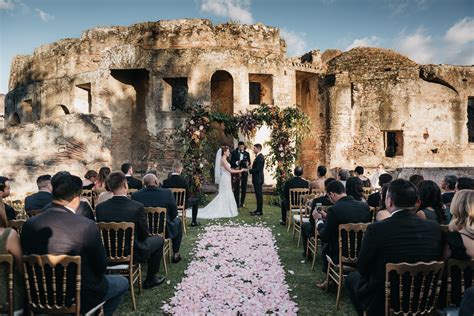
point(317, 215)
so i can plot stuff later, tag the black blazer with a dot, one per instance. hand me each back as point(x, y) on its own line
point(158, 197)
point(178, 182)
point(84, 210)
point(37, 201)
point(134, 183)
point(59, 231)
point(257, 169)
point(10, 211)
point(235, 157)
point(403, 237)
point(345, 211)
point(294, 183)
point(122, 209)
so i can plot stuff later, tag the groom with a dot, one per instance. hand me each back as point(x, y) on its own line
point(257, 178)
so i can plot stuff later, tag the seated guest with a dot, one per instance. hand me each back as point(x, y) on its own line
point(133, 183)
point(121, 209)
point(403, 237)
point(5, 192)
point(318, 184)
point(176, 180)
point(104, 196)
point(342, 176)
point(153, 196)
point(374, 199)
point(460, 238)
point(322, 200)
point(448, 185)
point(89, 180)
point(374, 179)
point(10, 244)
point(59, 231)
point(345, 210)
point(431, 206)
point(382, 213)
point(296, 182)
point(467, 305)
point(41, 198)
point(359, 172)
point(464, 183)
point(416, 179)
point(354, 188)
point(100, 183)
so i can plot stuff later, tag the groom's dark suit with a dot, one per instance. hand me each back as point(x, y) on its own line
point(257, 180)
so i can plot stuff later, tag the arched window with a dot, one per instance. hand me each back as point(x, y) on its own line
point(14, 119)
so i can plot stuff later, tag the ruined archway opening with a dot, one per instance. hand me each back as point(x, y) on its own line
point(222, 100)
point(14, 120)
point(60, 110)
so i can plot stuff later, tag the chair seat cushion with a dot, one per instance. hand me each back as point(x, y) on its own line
point(296, 218)
point(118, 267)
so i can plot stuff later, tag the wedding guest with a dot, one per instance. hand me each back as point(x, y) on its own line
point(460, 238)
point(133, 183)
point(354, 188)
point(383, 213)
point(4, 193)
point(345, 210)
point(403, 237)
point(295, 182)
point(176, 180)
point(122, 209)
point(100, 183)
point(416, 179)
point(374, 180)
point(431, 206)
point(58, 230)
point(89, 180)
point(318, 184)
point(374, 199)
point(322, 200)
point(153, 196)
point(465, 183)
point(342, 176)
point(359, 172)
point(10, 244)
point(240, 158)
point(41, 198)
point(448, 185)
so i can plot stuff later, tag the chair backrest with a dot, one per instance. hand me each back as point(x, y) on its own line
point(367, 191)
point(6, 303)
point(53, 283)
point(412, 288)
point(130, 192)
point(318, 193)
point(118, 241)
point(34, 213)
point(180, 197)
point(460, 277)
point(350, 241)
point(373, 213)
point(296, 197)
point(308, 199)
point(89, 195)
point(156, 217)
point(17, 224)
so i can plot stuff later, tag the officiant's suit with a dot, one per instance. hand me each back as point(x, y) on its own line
point(239, 160)
point(257, 181)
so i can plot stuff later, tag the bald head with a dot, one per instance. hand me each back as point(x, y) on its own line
point(150, 180)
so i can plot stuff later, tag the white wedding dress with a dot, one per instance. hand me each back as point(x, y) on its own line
point(223, 205)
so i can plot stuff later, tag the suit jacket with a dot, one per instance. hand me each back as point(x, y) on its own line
point(134, 183)
point(235, 157)
point(158, 197)
point(403, 237)
point(10, 211)
point(84, 210)
point(257, 169)
point(345, 211)
point(59, 231)
point(122, 209)
point(294, 183)
point(178, 182)
point(37, 201)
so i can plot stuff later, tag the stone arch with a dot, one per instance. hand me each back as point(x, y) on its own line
point(14, 119)
point(60, 110)
point(222, 92)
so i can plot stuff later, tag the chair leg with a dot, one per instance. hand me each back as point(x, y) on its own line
point(164, 261)
point(139, 278)
point(289, 217)
point(299, 239)
point(339, 288)
point(315, 252)
point(132, 290)
point(184, 220)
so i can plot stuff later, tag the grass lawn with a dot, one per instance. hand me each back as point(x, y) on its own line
point(310, 300)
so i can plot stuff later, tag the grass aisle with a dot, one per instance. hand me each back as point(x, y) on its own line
point(310, 300)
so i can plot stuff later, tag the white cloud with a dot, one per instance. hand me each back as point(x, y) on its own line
point(461, 33)
point(418, 46)
point(238, 10)
point(43, 15)
point(295, 42)
point(7, 5)
point(398, 7)
point(372, 41)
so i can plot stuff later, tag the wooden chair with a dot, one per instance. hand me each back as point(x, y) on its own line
point(350, 240)
point(367, 191)
point(462, 271)
point(180, 197)
point(314, 242)
point(17, 224)
point(34, 213)
point(48, 280)
point(130, 192)
point(7, 307)
point(156, 217)
point(19, 206)
point(118, 241)
point(373, 213)
point(415, 285)
point(296, 203)
point(90, 196)
point(318, 193)
point(303, 216)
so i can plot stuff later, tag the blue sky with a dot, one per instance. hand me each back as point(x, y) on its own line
point(428, 31)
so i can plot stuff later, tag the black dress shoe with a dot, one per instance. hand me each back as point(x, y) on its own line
point(253, 213)
point(148, 284)
point(175, 260)
point(282, 223)
point(258, 214)
point(195, 224)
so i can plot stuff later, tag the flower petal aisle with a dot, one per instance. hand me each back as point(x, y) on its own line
point(236, 270)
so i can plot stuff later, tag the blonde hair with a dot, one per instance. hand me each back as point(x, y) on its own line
point(462, 209)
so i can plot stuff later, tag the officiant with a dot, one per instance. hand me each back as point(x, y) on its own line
point(240, 159)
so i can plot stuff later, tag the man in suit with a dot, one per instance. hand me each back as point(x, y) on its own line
point(296, 182)
point(121, 209)
point(345, 210)
point(153, 196)
point(403, 237)
point(133, 183)
point(257, 178)
point(5, 192)
point(374, 199)
point(41, 198)
point(176, 180)
point(448, 185)
point(240, 158)
point(58, 230)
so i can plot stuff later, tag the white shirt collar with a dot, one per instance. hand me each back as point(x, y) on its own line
point(175, 174)
point(71, 209)
point(396, 211)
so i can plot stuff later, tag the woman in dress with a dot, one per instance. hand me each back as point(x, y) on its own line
point(89, 179)
point(100, 183)
point(223, 205)
point(431, 204)
point(460, 238)
point(354, 188)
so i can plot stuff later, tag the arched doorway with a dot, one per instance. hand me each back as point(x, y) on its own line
point(222, 100)
point(59, 110)
point(14, 119)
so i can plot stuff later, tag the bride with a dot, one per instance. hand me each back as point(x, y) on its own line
point(223, 205)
